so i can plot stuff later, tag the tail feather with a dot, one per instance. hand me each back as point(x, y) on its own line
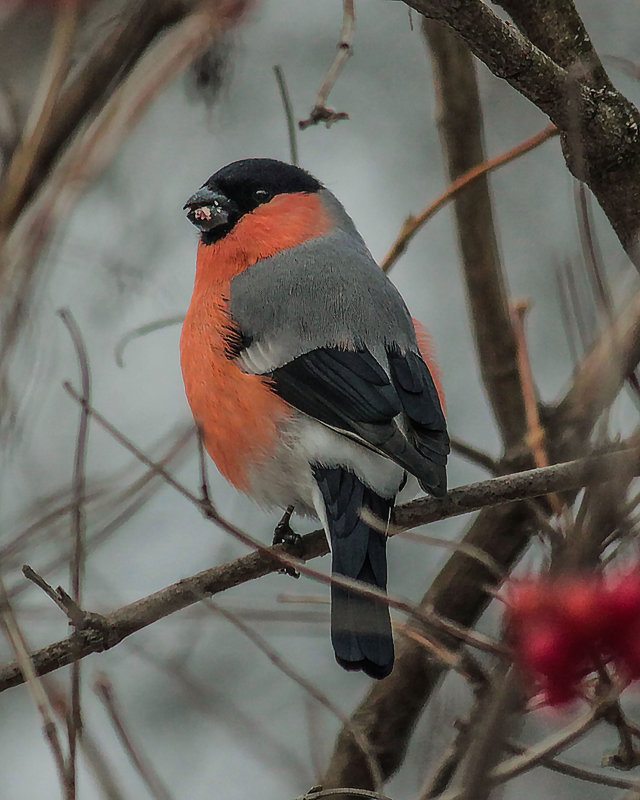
point(360, 625)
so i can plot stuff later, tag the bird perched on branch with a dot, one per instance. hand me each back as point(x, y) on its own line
point(304, 374)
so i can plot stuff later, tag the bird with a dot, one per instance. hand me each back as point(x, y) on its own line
point(309, 382)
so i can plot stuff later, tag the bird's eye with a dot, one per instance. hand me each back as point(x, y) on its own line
point(262, 196)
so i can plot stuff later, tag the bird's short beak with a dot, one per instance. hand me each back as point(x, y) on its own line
point(208, 209)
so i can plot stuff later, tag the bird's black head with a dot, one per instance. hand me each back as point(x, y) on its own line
point(238, 189)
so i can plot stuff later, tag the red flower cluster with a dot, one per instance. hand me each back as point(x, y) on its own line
point(561, 628)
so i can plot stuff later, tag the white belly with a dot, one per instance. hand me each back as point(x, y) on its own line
point(286, 478)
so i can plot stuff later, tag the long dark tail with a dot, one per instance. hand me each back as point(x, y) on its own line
point(360, 626)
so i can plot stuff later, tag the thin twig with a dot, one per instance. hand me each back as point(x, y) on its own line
point(568, 318)
point(475, 455)
point(460, 661)
point(288, 112)
point(413, 224)
point(28, 671)
point(103, 772)
point(143, 330)
point(54, 72)
point(320, 112)
point(551, 746)
point(461, 547)
point(104, 690)
point(536, 437)
point(593, 258)
point(574, 771)
point(125, 621)
point(305, 684)
point(78, 553)
point(65, 603)
point(202, 459)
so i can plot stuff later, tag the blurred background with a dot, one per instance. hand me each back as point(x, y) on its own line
point(213, 715)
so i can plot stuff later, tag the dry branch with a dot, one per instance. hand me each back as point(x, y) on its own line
point(320, 112)
point(92, 82)
point(117, 625)
point(390, 710)
point(104, 689)
point(460, 124)
point(600, 128)
point(413, 224)
point(78, 528)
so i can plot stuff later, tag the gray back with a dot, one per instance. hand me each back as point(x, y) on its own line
point(326, 292)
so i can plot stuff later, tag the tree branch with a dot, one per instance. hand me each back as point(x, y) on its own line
point(461, 131)
point(600, 127)
point(117, 625)
point(320, 112)
point(93, 81)
point(390, 709)
point(557, 29)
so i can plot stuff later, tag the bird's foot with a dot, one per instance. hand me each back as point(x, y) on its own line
point(292, 541)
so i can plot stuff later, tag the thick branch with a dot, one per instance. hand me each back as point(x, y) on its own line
point(116, 626)
point(389, 712)
point(600, 127)
point(461, 132)
point(557, 29)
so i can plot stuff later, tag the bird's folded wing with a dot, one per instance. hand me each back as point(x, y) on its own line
point(398, 414)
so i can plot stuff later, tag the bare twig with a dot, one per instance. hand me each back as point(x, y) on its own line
point(54, 72)
point(91, 750)
point(536, 437)
point(475, 455)
point(104, 690)
point(65, 602)
point(288, 112)
point(461, 661)
point(551, 746)
point(580, 773)
point(119, 624)
point(567, 315)
point(412, 225)
point(78, 529)
point(305, 684)
point(143, 330)
point(320, 112)
point(593, 258)
point(459, 547)
point(28, 672)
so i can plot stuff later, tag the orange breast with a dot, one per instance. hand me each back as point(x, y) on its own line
point(238, 414)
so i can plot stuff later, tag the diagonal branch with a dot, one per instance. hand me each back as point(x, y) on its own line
point(117, 625)
point(600, 127)
point(88, 88)
point(391, 708)
point(557, 29)
point(413, 224)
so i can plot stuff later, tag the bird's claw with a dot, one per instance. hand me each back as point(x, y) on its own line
point(292, 541)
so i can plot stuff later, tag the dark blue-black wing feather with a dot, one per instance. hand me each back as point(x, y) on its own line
point(351, 391)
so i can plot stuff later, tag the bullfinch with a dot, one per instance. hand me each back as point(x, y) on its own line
point(303, 371)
